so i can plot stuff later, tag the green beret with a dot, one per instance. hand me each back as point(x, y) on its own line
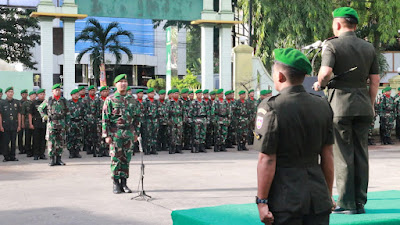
point(219, 91)
point(174, 91)
point(185, 90)
point(212, 93)
point(56, 86)
point(120, 77)
point(199, 91)
point(139, 90)
point(293, 58)
point(32, 93)
point(269, 91)
point(24, 91)
point(103, 88)
point(205, 91)
point(398, 88)
point(128, 88)
point(81, 88)
point(227, 92)
point(386, 89)
point(242, 92)
point(74, 91)
point(40, 91)
point(162, 92)
point(169, 92)
point(150, 90)
point(1, 90)
point(263, 92)
point(190, 92)
point(9, 89)
point(345, 12)
point(251, 90)
point(90, 87)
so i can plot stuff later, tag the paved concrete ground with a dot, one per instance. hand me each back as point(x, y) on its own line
point(81, 192)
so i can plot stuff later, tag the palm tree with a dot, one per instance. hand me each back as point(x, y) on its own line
point(103, 39)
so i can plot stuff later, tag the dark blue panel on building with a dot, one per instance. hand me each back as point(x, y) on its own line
point(142, 30)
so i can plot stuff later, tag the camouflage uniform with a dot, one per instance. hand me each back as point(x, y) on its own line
point(231, 138)
point(163, 131)
point(397, 103)
point(151, 125)
point(58, 115)
point(387, 112)
point(198, 117)
point(102, 146)
point(252, 104)
point(242, 114)
point(371, 128)
point(187, 126)
point(91, 115)
point(221, 114)
point(22, 132)
point(76, 124)
point(210, 126)
point(28, 132)
point(142, 129)
point(175, 114)
point(119, 120)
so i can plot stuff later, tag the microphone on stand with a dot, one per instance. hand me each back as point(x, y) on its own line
point(314, 45)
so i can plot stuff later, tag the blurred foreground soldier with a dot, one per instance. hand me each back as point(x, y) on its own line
point(353, 61)
point(221, 114)
point(209, 131)
point(252, 104)
point(397, 102)
point(198, 115)
point(387, 110)
point(76, 124)
point(1, 94)
point(55, 112)
point(263, 95)
point(163, 133)
point(293, 187)
point(242, 115)
point(175, 113)
point(37, 124)
point(10, 124)
point(22, 132)
point(151, 125)
point(26, 106)
point(91, 114)
point(103, 148)
point(119, 132)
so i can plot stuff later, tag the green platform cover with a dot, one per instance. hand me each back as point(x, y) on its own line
point(383, 208)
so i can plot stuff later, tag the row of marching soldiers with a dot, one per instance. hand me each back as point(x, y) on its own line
point(196, 120)
point(388, 109)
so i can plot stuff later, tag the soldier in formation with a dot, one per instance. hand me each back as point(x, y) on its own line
point(38, 125)
point(25, 123)
point(387, 111)
point(75, 125)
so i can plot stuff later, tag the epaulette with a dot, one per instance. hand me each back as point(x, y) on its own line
point(331, 38)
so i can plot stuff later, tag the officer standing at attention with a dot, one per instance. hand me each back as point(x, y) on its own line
point(25, 123)
point(37, 124)
point(22, 133)
point(387, 111)
point(119, 132)
point(263, 95)
point(175, 114)
point(353, 61)
point(221, 114)
point(1, 133)
point(103, 148)
point(293, 186)
point(10, 124)
point(163, 133)
point(252, 102)
point(209, 132)
point(55, 111)
point(151, 116)
point(242, 114)
point(76, 124)
point(198, 117)
point(397, 102)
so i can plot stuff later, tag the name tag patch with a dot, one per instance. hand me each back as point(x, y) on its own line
point(259, 122)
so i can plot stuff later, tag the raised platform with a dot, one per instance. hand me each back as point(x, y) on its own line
point(383, 208)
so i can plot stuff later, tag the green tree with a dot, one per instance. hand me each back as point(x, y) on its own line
point(189, 81)
point(158, 84)
point(17, 36)
point(103, 39)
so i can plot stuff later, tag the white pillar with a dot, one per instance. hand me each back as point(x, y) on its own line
point(69, 56)
point(208, 5)
point(225, 51)
point(225, 6)
point(207, 57)
point(46, 50)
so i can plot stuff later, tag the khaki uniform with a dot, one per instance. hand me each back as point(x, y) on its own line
point(351, 104)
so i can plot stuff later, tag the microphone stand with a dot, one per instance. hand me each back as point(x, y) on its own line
point(142, 196)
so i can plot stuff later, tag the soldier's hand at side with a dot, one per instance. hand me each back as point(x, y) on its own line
point(265, 215)
point(135, 139)
point(31, 127)
point(1, 129)
point(23, 126)
point(333, 204)
point(316, 86)
point(108, 140)
point(18, 129)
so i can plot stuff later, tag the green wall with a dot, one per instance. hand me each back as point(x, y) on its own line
point(186, 10)
point(18, 80)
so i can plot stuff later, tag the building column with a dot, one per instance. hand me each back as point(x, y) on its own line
point(46, 50)
point(225, 51)
point(207, 56)
point(69, 56)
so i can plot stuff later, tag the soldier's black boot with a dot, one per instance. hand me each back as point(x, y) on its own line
point(94, 150)
point(239, 147)
point(193, 149)
point(244, 147)
point(71, 154)
point(59, 162)
point(389, 141)
point(172, 149)
point(116, 187)
point(52, 161)
point(197, 149)
point(36, 157)
point(203, 148)
point(154, 150)
point(125, 188)
point(216, 148)
point(222, 148)
point(179, 149)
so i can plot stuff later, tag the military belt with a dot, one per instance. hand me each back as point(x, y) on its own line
point(338, 84)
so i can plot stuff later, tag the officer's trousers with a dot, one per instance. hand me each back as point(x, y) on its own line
point(285, 218)
point(9, 137)
point(28, 141)
point(21, 146)
point(398, 127)
point(39, 141)
point(351, 159)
